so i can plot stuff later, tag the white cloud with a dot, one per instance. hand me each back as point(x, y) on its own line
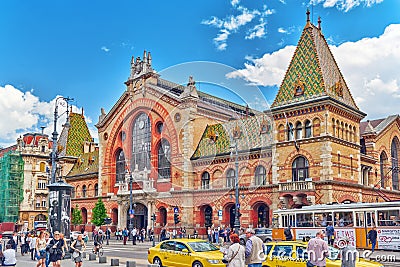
point(234, 2)
point(105, 49)
point(26, 113)
point(345, 5)
point(371, 72)
point(232, 23)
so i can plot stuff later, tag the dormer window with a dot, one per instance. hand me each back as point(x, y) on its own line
point(299, 87)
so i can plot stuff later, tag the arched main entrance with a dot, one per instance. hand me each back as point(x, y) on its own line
point(139, 219)
point(163, 216)
point(262, 215)
point(232, 216)
point(208, 216)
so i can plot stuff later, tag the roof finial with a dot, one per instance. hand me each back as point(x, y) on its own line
point(319, 23)
point(308, 15)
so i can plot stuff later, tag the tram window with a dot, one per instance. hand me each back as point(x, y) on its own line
point(388, 218)
point(287, 219)
point(371, 218)
point(360, 219)
point(322, 219)
point(344, 219)
point(304, 220)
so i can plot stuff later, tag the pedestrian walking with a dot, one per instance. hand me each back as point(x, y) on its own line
point(125, 235)
point(134, 235)
point(330, 233)
point(78, 246)
point(254, 249)
point(372, 236)
point(288, 233)
point(32, 247)
point(41, 250)
point(56, 249)
point(317, 250)
point(235, 256)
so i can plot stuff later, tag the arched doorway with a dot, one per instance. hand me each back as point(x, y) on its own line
point(114, 216)
point(84, 215)
point(232, 216)
point(262, 215)
point(139, 219)
point(163, 216)
point(207, 216)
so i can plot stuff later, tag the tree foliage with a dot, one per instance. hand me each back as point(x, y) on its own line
point(76, 216)
point(99, 213)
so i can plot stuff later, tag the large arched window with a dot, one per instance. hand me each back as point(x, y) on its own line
point(299, 130)
point(120, 167)
point(230, 178)
point(84, 191)
point(308, 128)
point(299, 169)
point(141, 142)
point(383, 162)
point(205, 180)
point(395, 163)
point(260, 175)
point(164, 157)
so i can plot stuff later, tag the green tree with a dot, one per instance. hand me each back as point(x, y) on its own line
point(99, 213)
point(76, 216)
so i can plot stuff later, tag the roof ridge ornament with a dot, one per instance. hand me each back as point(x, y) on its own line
point(140, 67)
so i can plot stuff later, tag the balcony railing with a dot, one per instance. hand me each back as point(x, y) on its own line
point(297, 186)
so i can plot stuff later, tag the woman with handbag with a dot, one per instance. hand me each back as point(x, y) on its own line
point(41, 250)
point(78, 246)
point(56, 249)
point(235, 256)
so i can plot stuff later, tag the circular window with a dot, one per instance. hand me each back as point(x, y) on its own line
point(159, 127)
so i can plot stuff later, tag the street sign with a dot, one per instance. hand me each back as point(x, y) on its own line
point(176, 210)
point(132, 211)
point(219, 212)
point(131, 216)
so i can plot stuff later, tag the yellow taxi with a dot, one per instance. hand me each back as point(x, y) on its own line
point(185, 252)
point(294, 254)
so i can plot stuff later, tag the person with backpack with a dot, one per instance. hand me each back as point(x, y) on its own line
point(288, 233)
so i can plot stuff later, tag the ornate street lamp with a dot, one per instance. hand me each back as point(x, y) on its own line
point(236, 223)
point(59, 191)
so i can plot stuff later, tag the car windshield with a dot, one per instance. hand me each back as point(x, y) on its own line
point(202, 246)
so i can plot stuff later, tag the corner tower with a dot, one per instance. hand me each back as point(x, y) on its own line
point(317, 122)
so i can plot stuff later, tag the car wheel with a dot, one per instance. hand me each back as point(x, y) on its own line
point(197, 264)
point(242, 242)
point(157, 261)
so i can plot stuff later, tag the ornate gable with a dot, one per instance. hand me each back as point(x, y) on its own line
point(313, 72)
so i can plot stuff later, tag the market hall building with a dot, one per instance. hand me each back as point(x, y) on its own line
point(177, 146)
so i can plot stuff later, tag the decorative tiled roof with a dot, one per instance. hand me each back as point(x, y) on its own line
point(86, 164)
point(313, 73)
point(72, 138)
point(249, 133)
point(376, 126)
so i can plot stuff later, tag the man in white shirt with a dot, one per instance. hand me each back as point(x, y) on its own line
point(9, 256)
point(134, 235)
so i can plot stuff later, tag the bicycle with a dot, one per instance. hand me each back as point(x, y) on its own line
point(99, 251)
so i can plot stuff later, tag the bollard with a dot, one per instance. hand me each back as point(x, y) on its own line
point(102, 259)
point(114, 262)
point(92, 256)
point(131, 264)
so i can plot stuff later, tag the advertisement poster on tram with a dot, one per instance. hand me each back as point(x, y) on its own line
point(342, 234)
point(389, 239)
point(302, 233)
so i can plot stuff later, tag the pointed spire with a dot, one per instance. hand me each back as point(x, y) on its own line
point(144, 56)
point(149, 58)
point(319, 23)
point(308, 15)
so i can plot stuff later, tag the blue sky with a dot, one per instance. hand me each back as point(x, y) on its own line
point(83, 49)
